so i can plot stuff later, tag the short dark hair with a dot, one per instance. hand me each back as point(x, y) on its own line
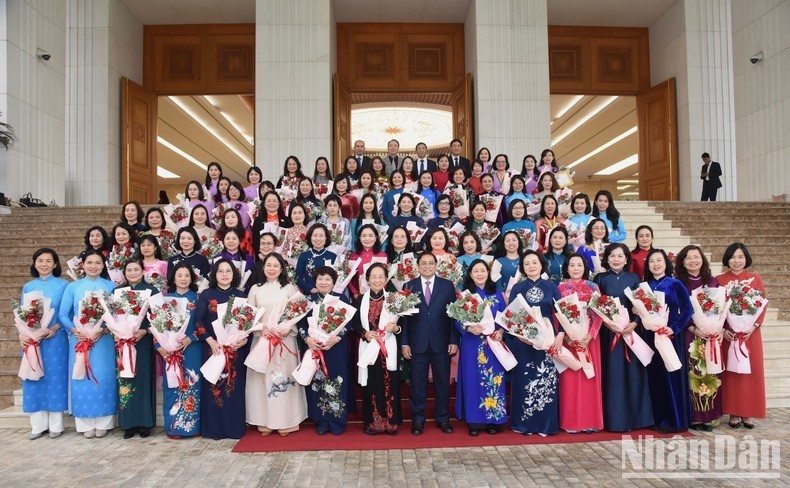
point(542, 212)
point(469, 233)
point(376, 265)
point(611, 247)
point(137, 206)
point(682, 274)
point(566, 275)
point(240, 188)
point(192, 215)
point(513, 204)
point(529, 252)
point(456, 140)
point(669, 271)
point(325, 271)
point(443, 197)
point(190, 231)
point(255, 169)
point(588, 237)
point(311, 231)
point(587, 205)
point(376, 245)
point(171, 277)
point(282, 279)
point(469, 283)
point(155, 241)
point(93, 252)
point(45, 250)
point(425, 253)
point(104, 235)
point(201, 193)
point(725, 260)
point(426, 240)
point(128, 228)
point(705, 155)
point(135, 259)
point(161, 215)
point(212, 277)
point(507, 161)
point(391, 253)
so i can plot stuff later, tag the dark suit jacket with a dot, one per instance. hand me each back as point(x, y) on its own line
point(431, 329)
point(365, 163)
point(714, 174)
point(462, 162)
point(432, 166)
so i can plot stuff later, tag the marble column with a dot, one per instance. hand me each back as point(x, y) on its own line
point(507, 54)
point(294, 56)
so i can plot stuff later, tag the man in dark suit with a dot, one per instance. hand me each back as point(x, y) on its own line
point(391, 160)
point(711, 178)
point(359, 154)
point(429, 338)
point(456, 159)
point(422, 162)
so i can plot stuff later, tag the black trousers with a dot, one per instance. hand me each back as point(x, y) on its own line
point(709, 191)
point(418, 390)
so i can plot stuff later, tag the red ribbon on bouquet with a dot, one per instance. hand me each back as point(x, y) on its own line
point(583, 351)
point(230, 358)
point(34, 344)
point(715, 350)
point(380, 340)
point(318, 357)
point(84, 346)
point(120, 346)
point(275, 342)
point(666, 331)
point(617, 337)
point(175, 361)
point(741, 338)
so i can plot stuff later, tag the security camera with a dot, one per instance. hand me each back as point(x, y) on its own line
point(43, 55)
point(757, 58)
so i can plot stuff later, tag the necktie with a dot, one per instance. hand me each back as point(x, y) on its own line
point(422, 165)
point(428, 292)
point(360, 160)
point(456, 160)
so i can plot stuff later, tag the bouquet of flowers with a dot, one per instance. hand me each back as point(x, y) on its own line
point(236, 319)
point(210, 246)
point(116, 260)
point(157, 280)
point(88, 322)
point(454, 234)
point(572, 315)
point(177, 214)
point(487, 233)
point(32, 318)
point(616, 317)
point(314, 210)
point(746, 307)
point(265, 350)
point(404, 270)
point(167, 244)
point(576, 234)
point(599, 247)
point(169, 317)
point(322, 190)
point(467, 308)
point(290, 182)
point(492, 204)
point(533, 208)
point(287, 195)
point(124, 313)
point(516, 321)
point(564, 198)
point(345, 272)
point(517, 278)
point(544, 341)
point(218, 214)
point(651, 307)
point(710, 311)
point(254, 208)
point(381, 229)
point(328, 320)
point(380, 187)
point(243, 272)
point(448, 267)
point(528, 239)
point(338, 240)
point(416, 233)
point(293, 248)
point(424, 209)
point(396, 305)
point(75, 270)
point(459, 199)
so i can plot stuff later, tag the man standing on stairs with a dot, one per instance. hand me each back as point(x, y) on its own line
point(710, 175)
point(429, 339)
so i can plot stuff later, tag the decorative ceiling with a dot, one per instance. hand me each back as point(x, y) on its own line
point(408, 123)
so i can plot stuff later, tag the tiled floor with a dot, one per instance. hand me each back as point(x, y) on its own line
point(157, 461)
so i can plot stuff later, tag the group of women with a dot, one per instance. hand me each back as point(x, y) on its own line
point(621, 396)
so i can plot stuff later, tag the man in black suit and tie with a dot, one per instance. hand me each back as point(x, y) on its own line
point(422, 162)
point(456, 159)
point(429, 338)
point(391, 160)
point(711, 178)
point(359, 153)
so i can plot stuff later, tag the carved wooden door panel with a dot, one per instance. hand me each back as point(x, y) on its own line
point(342, 126)
point(138, 143)
point(463, 121)
point(658, 151)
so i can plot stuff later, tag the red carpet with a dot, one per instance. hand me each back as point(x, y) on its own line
point(354, 439)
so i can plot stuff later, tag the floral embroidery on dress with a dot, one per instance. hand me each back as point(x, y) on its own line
point(186, 410)
point(542, 389)
point(125, 391)
point(280, 384)
point(493, 401)
point(329, 401)
point(704, 387)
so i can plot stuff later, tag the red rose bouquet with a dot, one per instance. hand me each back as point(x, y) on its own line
point(125, 311)
point(492, 204)
point(169, 317)
point(90, 315)
point(572, 315)
point(448, 267)
point(651, 307)
point(747, 304)
point(710, 311)
point(32, 318)
point(403, 270)
point(75, 270)
point(616, 318)
point(282, 324)
point(118, 257)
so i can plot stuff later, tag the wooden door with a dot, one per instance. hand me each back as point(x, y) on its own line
point(463, 120)
point(658, 151)
point(138, 143)
point(342, 126)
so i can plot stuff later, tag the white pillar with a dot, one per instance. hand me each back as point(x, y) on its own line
point(294, 44)
point(692, 42)
point(32, 98)
point(507, 54)
point(105, 42)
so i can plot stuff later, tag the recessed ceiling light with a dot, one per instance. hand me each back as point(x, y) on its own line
point(605, 103)
point(629, 161)
point(633, 182)
point(163, 173)
point(236, 126)
point(246, 157)
point(569, 106)
point(181, 153)
point(602, 147)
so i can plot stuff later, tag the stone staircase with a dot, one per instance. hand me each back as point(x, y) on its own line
point(675, 225)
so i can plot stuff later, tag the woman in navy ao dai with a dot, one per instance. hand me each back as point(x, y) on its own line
point(534, 380)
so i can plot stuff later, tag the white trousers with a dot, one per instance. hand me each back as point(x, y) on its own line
point(42, 421)
point(84, 424)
